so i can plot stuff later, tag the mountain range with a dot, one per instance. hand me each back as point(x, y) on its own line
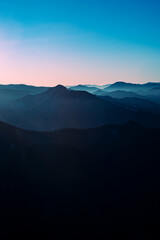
point(80, 164)
point(15, 91)
point(132, 87)
point(150, 90)
point(59, 107)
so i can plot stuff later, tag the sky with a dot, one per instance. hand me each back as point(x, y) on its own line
point(69, 42)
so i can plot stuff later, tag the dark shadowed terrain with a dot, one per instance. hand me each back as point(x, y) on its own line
point(86, 167)
point(95, 183)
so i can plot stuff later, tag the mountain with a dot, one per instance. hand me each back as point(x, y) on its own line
point(119, 94)
point(154, 98)
point(59, 107)
point(101, 182)
point(149, 91)
point(86, 88)
point(139, 88)
point(154, 91)
point(12, 92)
point(99, 92)
point(151, 85)
point(23, 87)
point(123, 86)
point(89, 88)
point(98, 86)
point(137, 104)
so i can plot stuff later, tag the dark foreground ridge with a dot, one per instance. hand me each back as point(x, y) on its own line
point(100, 183)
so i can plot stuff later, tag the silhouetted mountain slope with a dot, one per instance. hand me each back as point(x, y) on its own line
point(99, 92)
point(86, 88)
point(156, 88)
point(137, 104)
point(123, 86)
point(154, 91)
point(78, 138)
point(121, 94)
point(154, 98)
point(62, 108)
point(150, 94)
point(144, 111)
point(23, 87)
point(101, 182)
point(59, 108)
point(12, 92)
point(138, 88)
point(149, 91)
point(150, 85)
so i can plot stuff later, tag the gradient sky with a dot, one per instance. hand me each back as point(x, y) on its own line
point(49, 42)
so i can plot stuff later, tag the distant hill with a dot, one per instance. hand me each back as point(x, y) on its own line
point(154, 91)
point(99, 92)
point(98, 86)
point(119, 94)
point(12, 92)
point(138, 104)
point(59, 107)
point(131, 87)
point(86, 88)
point(150, 91)
point(23, 87)
point(122, 86)
point(91, 88)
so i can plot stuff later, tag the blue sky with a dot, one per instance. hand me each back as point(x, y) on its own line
point(49, 42)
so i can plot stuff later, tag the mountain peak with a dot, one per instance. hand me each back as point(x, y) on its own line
point(120, 83)
point(59, 89)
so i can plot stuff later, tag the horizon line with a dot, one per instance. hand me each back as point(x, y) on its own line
point(66, 85)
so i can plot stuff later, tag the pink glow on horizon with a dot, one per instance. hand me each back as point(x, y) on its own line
point(41, 67)
point(50, 74)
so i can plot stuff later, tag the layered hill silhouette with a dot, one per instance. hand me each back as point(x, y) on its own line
point(59, 107)
point(119, 94)
point(120, 90)
point(15, 91)
point(145, 88)
point(87, 88)
point(132, 87)
point(140, 104)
